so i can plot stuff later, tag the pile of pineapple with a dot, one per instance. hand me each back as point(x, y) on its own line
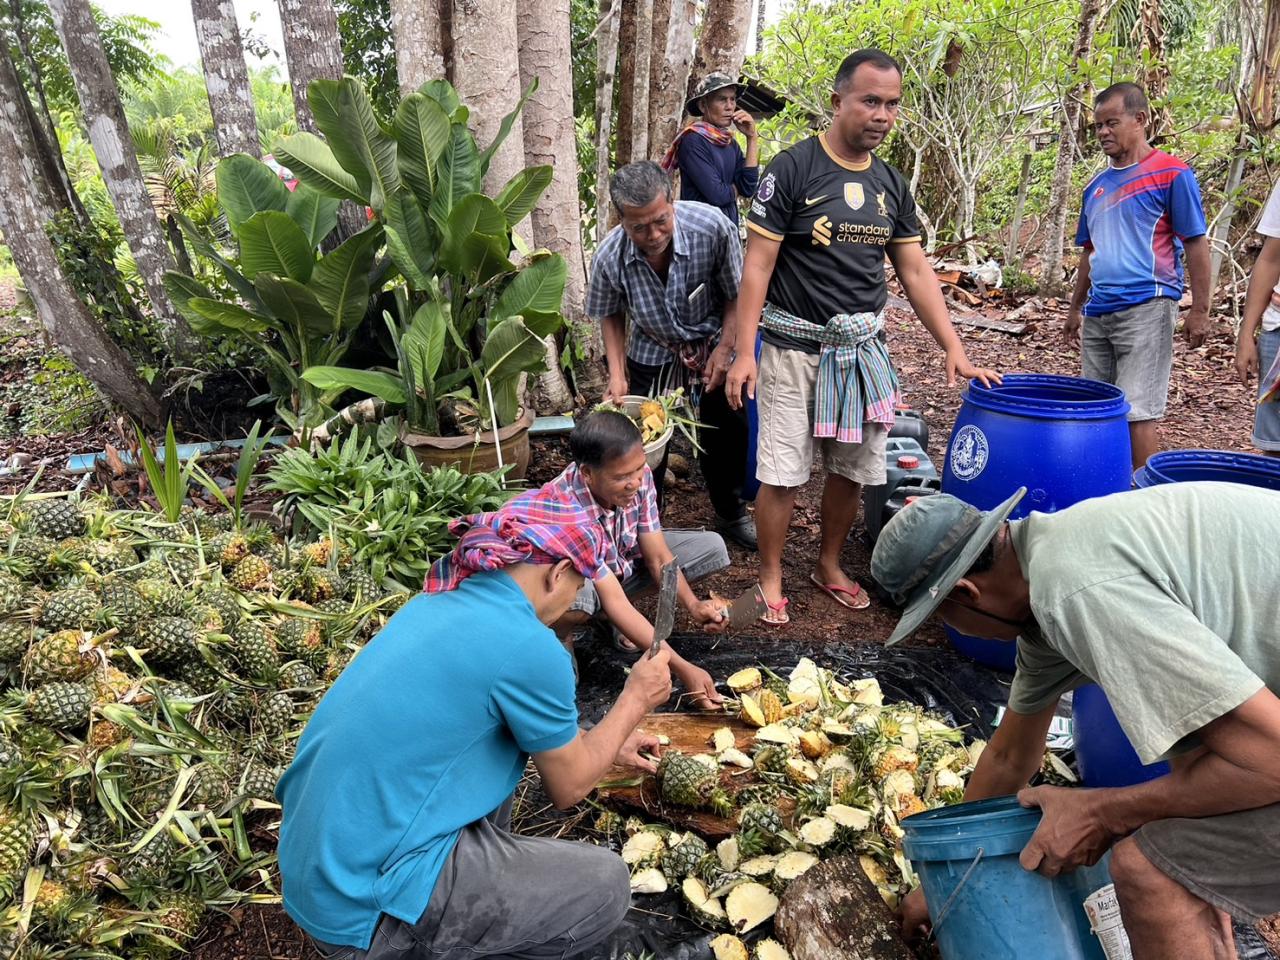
point(154, 678)
point(832, 770)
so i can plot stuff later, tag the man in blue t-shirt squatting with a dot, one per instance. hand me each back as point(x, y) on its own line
point(395, 840)
point(1138, 217)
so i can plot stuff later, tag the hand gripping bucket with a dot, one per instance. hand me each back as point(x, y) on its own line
point(983, 904)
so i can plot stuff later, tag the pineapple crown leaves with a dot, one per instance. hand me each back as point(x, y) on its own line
point(250, 453)
point(170, 478)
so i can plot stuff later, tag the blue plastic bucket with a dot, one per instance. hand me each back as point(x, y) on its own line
point(1063, 438)
point(967, 859)
point(1103, 752)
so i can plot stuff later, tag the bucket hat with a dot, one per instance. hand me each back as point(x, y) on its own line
point(927, 547)
point(710, 84)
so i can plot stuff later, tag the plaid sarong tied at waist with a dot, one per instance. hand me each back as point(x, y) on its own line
point(856, 380)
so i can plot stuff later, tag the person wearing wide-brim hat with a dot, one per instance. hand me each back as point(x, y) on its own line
point(713, 168)
point(1164, 597)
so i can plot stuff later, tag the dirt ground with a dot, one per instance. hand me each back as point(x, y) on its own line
point(1208, 408)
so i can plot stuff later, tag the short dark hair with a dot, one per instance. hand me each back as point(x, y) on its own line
point(990, 553)
point(601, 436)
point(1135, 98)
point(877, 58)
point(638, 184)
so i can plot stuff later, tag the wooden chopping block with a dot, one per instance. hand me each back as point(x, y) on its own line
point(689, 733)
point(833, 912)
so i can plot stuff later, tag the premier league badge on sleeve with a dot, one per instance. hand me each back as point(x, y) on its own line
point(765, 190)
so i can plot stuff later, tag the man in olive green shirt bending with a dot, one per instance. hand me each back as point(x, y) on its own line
point(1169, 598)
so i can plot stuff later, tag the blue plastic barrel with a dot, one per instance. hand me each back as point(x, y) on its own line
point(967, 859)
point(1063, 438)
point(1103, 752)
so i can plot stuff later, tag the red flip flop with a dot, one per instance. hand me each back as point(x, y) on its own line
point(776, 609)
point(838, 593)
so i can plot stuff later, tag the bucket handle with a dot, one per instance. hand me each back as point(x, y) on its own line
point(946, 907)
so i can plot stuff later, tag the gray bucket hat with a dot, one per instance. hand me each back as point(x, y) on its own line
point(710, 84)
point(924, 551)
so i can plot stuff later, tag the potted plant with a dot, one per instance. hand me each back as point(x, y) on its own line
point(476, 304)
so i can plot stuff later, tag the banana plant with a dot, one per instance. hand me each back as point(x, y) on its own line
point(477, 300)
point(296, 307)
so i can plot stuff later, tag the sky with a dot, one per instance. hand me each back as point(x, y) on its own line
point(176, 38)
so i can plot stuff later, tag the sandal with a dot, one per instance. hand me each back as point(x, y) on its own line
point(621, 643)
point(776, 615)
point(857, 597)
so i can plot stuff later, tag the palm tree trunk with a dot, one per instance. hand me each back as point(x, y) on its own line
point(68, 321)
point(226, 78)
point(420, 28)
point(486, 68)
point(112, 144)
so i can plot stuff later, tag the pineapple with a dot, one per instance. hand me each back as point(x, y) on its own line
point(322, 584)
point(250, 573)
point(56, 519)
point(748, 905)
point(51, 898)
point(275, 714)
point(150, 866)
point(123, 605)
point(209, 787)
point(768, 949)
point(317, 553)
point(225, 602)
point(65, 655)
point(690, 782)
point(608, 823)
point(104, 734)
point(258, 781)
point(73, 609)
point(362, 585)
point(15, 636)
point(165, 597)
point(17, 834)
point(895, 758)
point(254, 648)
point(682, 859)
point(13, 595)
point(180, 914)
point(296, 676)
point(62, 704)
point(170, 640)
point(704, 908)
point(107, 556)
point(728, 947)
point(300, 639)
point(761, 820)
point(230, 548)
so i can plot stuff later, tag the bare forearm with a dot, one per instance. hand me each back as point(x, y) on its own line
point(729, 324)
point(751, 297)
point(1198, 265)
point(1206, 787)
point(1000, 774)
point(613, 329)
point(1262, 281)
point(600, 746)
point(925, 294)
point(753, 152)
point(1080, 292)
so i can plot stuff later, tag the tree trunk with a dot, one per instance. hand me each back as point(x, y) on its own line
point(669, 78)
point(420, 27)
point(1019, 205)
point(642, 58)
point(113, 146)
point(1262, 104)
point(761, 9)
point(834, 912)
point(606, 61)
point(967, 202)
point(68, 321)
point(46, 198)
point(1060, 188)
point(1155, 78)
point(226, 78)
point(549, 138)
point(623, 137)
point(723, 43)
point(486, 67)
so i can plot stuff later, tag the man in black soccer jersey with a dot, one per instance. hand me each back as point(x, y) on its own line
point(825, 214)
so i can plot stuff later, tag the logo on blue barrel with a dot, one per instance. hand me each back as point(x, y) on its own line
point(969, 452)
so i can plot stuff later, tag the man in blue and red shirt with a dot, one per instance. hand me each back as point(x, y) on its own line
point(1138, 218)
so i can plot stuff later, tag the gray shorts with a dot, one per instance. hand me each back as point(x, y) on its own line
point(492, 900)
point(1133, 349)
point(1231, 861)
point(1266, 418)
point(785, 444)
point(699, 553)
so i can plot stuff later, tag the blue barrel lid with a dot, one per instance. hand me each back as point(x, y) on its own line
point(1044, 396)
point(1174, 466)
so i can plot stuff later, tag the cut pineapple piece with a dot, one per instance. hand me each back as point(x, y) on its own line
point(804, 668)
point(818, 831)
point(793, 864)
point(760, 866)
point(749, 905)
point(735, 758)
point(648, 880)
point(814, 745)
point(868, 691)
point(703, 906)
point(801, 771)
point(727, 853)
point(723, 739)
point(750, 711)
point(771, 950)
point(642, 848)
point(744, 681)
point(805, 690)
point(851, 818)
point(777, 733)
point(728, 947)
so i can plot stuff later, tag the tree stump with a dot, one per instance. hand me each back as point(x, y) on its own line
point(833, 912)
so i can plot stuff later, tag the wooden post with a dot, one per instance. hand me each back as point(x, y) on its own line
point(1011, 253)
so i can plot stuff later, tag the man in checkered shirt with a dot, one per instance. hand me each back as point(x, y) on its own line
point(673, 270)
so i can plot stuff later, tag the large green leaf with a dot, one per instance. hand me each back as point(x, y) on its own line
point(247, 186)
point(522, 191)
point(216, 317)
point(411, 238)
point(422, 134)
point(314, 164)
point(510, 349)
point(181, 289)
point(270, 242)
point(340, 280)
point(293, 305)
point(458, 174)
point(504, 129)
point(542, 324)
point(476, 242)
point(315, 213)
point(538, 288)
point(424, 340)
point(201, 245)
point(384, 386)
point(442, 92)
point(358, 141)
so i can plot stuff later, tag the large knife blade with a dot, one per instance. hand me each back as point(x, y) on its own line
point(748, 608)
point(666, 615)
